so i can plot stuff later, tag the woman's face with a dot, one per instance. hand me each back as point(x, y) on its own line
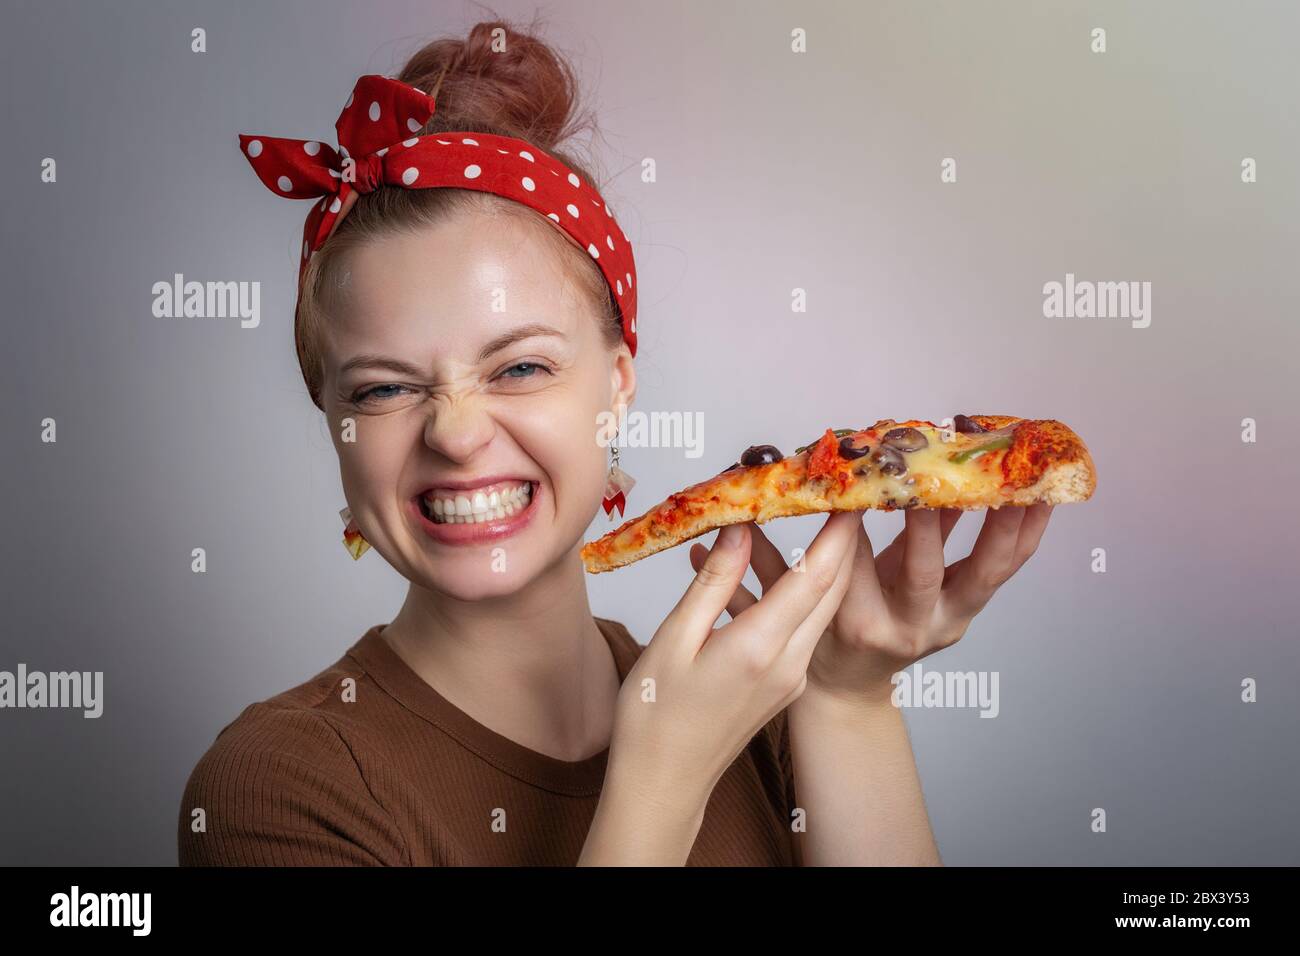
point(448, 409)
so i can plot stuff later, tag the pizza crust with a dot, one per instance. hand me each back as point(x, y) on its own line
point(1046, 462)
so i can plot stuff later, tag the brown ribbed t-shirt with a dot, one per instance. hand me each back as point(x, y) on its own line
point(401, 777)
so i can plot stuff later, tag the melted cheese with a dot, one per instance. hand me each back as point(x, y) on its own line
point(932, 475)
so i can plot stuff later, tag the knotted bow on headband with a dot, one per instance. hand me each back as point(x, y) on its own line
point(379, 146)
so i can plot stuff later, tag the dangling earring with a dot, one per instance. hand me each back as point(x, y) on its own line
point(617, 484)
point(352, 539)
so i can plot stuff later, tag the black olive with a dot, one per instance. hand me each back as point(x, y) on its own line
point(905, 439)
point(760, 455)
point(967, 425)
point(889, 460)
point(848, 452)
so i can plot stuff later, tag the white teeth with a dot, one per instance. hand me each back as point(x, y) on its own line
point(479, 507)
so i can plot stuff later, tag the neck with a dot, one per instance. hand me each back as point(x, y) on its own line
point(531, 665)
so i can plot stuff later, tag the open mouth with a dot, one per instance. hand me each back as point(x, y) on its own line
point(491, 503)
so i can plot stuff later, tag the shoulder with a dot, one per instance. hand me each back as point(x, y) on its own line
point(280, 786)
point(294, 725)
point(267, 736)
point(617, 632)
point(615, 628)
point(625, 646)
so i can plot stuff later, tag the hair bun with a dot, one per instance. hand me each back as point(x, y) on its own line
point(498, 80)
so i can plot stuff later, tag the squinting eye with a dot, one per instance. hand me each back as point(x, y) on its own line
point(374, 392)
point(524, 365)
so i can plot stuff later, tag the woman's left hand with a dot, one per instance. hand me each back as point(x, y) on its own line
point(903, 604)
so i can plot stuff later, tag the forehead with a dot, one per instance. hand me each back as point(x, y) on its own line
point(463, 280)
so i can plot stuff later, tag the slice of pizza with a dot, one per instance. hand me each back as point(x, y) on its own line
point(981, 461)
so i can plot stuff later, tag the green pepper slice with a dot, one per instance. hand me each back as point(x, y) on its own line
point(964, 456)
point(838, 432)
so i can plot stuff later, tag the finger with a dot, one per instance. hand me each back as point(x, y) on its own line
point(864, 600)
point(707, 595)
point(1031, 532)
point(796, 594)
point(766, 559)
point(972, 581)
point(740, 599)
point(920, 568)
point(887, 561)
point(804, 641)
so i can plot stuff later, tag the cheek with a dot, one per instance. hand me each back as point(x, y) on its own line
point(563, 444)
point(368, 468)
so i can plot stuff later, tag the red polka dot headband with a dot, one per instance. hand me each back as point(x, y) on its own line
point(379, 145)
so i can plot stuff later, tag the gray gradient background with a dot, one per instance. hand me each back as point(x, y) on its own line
point(775, 171)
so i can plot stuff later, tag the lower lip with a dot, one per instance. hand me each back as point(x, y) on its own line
point(480, 531)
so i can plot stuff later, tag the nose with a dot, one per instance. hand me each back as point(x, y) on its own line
point(457, 427)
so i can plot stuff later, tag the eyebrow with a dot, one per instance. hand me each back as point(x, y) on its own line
point(502, 341)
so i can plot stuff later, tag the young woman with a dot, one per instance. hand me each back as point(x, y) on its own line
point(462, 349)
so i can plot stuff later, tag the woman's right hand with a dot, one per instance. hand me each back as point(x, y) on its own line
point(697, 694)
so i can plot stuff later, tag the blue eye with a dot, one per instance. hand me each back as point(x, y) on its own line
point(374, 392)
point(530, 366)
point(380, 393)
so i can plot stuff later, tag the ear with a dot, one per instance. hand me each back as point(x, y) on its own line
point(622, 379)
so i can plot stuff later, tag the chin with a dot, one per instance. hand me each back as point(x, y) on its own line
point(471, 576)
